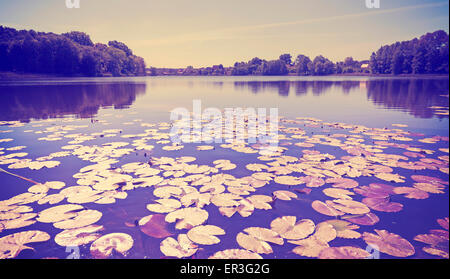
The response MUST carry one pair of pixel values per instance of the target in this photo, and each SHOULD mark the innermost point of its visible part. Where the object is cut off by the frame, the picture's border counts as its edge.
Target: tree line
(74, 54)
(68, 54)
(428, 54)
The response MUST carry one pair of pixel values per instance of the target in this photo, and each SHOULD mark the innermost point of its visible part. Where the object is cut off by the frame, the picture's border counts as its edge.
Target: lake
(361, 162)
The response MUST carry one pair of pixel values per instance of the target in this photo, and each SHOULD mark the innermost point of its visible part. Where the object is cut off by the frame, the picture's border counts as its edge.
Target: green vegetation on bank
(69, 54)
(428, 54)
(74, 54)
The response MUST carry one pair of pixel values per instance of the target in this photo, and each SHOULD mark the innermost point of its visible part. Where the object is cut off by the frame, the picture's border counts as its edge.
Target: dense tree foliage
(69, 54)
(426, 55)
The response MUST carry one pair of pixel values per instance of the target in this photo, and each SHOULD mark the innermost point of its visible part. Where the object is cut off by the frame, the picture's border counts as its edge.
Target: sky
(180, 33)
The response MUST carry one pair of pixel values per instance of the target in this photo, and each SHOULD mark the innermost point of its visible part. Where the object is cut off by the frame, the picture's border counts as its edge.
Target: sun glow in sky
(178, 33)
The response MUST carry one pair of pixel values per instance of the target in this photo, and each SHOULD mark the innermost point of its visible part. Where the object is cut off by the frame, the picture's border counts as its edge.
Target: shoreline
(21, 76)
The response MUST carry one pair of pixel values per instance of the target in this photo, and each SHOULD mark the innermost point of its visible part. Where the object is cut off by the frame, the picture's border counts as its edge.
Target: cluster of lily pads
(185, 192)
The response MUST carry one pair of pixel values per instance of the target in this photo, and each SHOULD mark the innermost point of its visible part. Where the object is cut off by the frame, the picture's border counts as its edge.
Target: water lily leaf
(345, 183)
(265, 235)
(284, 195)
(253, 244)
(205, 235)
(375, 190)
(226, 199)
(411, 193)
(261, 201)
(443, 223)
(78, 236)
(390, 177)
(389, 243)
(187, 217)
(338, 193)
(382, 204)
(313, 182)
(345, 229)
(82, 218)
(343, 252)
(349, 206)
(256, 167)
(235, 254)
(181, 247)
(437, 252)
(289, 228)
(58, 213)
(104, 246)
(197, 199)
(24, 220)
(154, 226)
(245, 209)
(164, 205)
(314, 244)
(167, 192)
(11, 245)
(326, 208)
(288, 180)
(368, 219)
(205, 147)
(429, 187)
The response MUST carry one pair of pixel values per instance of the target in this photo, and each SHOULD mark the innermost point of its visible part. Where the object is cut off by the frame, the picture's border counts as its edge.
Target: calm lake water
(34, 109)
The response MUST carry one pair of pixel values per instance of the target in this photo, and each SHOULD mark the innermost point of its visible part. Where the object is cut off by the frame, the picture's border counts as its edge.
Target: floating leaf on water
(205, 147)
(443, 223)
(368, 219)
(326, 208)
(284, 195)
(314, 244)
(289, 228)
(288, 180)
(235, 254)
(382, 204)
(104, 246)
(154, 226)
(345, 183)
(24, 220)
(58, 213)
(164, 205)
(411, 193)
(429, 187)
(349, 206)
(187, 217)
(79, 236)
(389, 243)
(83, 218)
(313, 182)
(437, 252)
(11, 245)
(265, 235)
(338, 193)
(253, 244)
(261, 201)
(256, 167)
(428, 179)
(167, 192)
(226, 199)
(390, 177)
(343, 252)
(181, 247)
(344, 229)
(205, 235)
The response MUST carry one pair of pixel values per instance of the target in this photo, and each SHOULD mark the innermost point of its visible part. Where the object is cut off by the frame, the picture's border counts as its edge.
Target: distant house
(364, 66)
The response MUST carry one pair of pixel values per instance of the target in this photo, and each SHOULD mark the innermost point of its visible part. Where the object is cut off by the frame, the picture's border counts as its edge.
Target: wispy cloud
(231, 33)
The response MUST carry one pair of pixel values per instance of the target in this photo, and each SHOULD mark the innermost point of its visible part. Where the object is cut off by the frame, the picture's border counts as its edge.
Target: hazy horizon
(177, 34)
